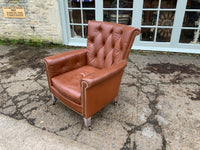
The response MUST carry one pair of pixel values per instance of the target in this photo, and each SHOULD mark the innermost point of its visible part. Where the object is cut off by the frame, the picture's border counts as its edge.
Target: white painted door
(166, 25)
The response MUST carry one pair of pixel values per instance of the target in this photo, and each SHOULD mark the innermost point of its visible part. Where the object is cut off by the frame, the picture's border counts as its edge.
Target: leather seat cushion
(68, 84)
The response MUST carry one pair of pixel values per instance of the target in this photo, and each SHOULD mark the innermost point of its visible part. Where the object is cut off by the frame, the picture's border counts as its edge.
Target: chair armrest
(100, 88)
(102, 75)
(63, 62)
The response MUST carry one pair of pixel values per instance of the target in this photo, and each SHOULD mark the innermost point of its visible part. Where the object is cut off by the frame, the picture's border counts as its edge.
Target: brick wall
(42, 22)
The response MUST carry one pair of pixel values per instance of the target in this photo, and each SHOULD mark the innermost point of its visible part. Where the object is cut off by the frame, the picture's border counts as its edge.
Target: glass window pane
(147, 34)
(125, 3)
(86, 4)
(76, 31)
(168, 3)
(150, 4)
(85, 31)
(110, 3)
(73, 4)
(88, 15)
(75, 16)
(193, 4)
(109, 15)
(125, 17)
(198, 40)
(149, 17)
(191, 19)
(113, 16)
(166, 18)
(187, 36)
(163, 35)
(90, 4)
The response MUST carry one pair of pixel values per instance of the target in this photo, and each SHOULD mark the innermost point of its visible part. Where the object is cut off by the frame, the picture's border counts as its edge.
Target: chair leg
(87, 123)
(54, 99)
(115, 100)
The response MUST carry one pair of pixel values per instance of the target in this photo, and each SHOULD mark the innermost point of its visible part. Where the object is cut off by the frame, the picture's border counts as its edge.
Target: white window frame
(172, 46)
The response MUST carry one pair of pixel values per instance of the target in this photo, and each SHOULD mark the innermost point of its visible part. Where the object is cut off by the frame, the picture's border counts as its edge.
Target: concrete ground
(19, 135)
(158, 109)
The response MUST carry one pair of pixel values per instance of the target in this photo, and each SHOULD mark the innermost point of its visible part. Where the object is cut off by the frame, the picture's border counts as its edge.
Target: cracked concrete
(158, 107)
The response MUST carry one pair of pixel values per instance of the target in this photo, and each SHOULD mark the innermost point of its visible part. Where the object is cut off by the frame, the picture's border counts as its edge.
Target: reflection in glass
(166, 18)
(168, 3)
(163, 35)
(113, 16)
(150, 4)
(109, 3)
(147, 34)
(75, 16)
(187, 36)
(85, 31)
(122, 3)
(125, 3)
(149, 17)
(89, 4)
(109, 15)
(125, 17)
(73, 4)
(191, 19)
(88, 15)
(76, 31)
(193, 4)
(198, 40)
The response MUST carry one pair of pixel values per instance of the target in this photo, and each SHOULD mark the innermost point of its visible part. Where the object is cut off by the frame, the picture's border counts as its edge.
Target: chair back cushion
(108, 43)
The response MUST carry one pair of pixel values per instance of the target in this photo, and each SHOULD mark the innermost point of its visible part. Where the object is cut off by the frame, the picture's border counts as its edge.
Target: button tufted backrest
(108, 43)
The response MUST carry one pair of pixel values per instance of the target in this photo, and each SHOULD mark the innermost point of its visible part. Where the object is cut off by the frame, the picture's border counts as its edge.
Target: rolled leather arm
(64, 62)
(102, 75)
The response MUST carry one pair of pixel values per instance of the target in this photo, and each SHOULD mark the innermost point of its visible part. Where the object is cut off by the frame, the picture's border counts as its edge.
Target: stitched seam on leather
(47, 72)
(68, 106)
(50, 87)
(84, 98)
(134, 34)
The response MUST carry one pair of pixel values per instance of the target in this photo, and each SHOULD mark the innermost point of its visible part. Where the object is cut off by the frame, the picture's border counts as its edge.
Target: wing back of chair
(108, 43)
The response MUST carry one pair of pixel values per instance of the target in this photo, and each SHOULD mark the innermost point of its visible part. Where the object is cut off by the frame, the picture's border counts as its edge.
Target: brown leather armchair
(88, 79)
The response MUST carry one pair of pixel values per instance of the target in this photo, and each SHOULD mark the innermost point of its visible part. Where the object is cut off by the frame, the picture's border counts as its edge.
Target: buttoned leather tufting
(108, 43)
(86, 80)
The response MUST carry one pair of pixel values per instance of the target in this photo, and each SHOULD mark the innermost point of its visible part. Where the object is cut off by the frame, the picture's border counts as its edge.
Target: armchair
(88, 79)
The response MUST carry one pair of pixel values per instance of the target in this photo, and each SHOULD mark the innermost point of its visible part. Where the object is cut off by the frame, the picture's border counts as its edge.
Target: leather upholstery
(103, 74)
(88, 79)
(68, 83)
(108, 43)
(101, 89)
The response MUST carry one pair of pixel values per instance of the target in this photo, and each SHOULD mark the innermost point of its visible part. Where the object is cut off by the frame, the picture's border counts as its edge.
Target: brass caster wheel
(54, 99)
(115, 101)
(87, 123)
(89, 128)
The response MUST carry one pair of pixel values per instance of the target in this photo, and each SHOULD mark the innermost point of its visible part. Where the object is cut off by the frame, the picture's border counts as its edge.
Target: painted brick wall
(42, 22)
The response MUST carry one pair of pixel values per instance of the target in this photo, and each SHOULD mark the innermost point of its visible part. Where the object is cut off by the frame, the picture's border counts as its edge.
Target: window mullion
(197, 35)
(158, 14)
(81, 5)
(117, 15)
(137, 17)
(64, 21)
(99, 10)
(178, 22)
